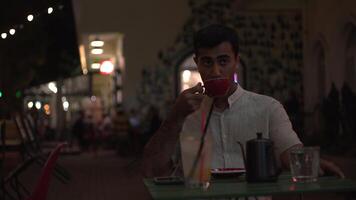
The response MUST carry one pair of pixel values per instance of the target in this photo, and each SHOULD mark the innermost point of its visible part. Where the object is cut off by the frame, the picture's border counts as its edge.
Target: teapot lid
(260, 139)
(259, 135)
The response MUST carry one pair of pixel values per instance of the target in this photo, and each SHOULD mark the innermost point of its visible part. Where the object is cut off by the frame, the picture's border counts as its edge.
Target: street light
(3, 35)
(29, 18)
(97, 51)
(38, 105)
(97, 43)
(12, 31)
(50, 10)
(107, 67)
(30, 104)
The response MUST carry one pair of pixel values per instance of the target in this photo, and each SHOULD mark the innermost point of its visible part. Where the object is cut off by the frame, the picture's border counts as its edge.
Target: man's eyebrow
(223, 56)
(219, 56)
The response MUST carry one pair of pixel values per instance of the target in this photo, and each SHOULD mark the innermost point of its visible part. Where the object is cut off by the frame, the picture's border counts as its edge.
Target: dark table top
(238, 187)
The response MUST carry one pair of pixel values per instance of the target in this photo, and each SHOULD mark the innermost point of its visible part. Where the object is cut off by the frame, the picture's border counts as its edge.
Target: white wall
(148, 26)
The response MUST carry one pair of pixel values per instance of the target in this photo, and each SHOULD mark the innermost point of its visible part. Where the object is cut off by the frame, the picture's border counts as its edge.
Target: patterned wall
(270, 44)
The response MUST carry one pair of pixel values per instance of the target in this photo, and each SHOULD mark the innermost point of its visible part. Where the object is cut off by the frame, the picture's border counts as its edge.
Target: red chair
(41, 189)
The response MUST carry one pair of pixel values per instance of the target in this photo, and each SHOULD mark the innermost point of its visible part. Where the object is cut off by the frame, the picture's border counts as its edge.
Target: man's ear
(238, 58)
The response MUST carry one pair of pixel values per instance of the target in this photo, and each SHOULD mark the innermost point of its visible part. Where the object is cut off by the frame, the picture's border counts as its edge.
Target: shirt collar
(236, 95)
(231, 99)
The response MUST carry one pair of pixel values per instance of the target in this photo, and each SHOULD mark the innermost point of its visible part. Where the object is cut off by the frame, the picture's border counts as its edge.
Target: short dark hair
(214, 35)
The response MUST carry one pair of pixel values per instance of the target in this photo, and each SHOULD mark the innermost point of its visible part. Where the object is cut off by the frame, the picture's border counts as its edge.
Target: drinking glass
(304, 164)
(201, 176)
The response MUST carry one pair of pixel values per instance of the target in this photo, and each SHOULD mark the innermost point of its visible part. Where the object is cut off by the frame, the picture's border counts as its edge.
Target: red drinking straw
(195, 163)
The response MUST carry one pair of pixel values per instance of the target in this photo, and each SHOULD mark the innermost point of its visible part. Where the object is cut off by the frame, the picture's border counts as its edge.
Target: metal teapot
(260, 161)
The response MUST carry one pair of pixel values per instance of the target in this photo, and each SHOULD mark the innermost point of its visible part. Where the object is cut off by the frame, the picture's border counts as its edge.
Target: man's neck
(222, 103)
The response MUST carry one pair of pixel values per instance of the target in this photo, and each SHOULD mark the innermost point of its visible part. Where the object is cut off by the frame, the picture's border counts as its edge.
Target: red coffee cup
(216, 87)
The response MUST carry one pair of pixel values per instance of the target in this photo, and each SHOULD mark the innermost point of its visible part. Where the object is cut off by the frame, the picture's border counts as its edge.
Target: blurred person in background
(135, 131)
(104, 129)
(78, 128)
(153, 122)
(120, 131)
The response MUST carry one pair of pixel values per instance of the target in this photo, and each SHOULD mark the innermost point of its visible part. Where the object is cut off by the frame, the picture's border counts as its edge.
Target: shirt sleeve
(280, 129)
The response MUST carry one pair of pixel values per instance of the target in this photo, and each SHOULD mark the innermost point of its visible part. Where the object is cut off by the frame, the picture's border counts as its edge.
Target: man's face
(217, 62)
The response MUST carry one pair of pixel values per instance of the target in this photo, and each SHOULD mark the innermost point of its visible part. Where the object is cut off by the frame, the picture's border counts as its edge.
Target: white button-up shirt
(247, 114)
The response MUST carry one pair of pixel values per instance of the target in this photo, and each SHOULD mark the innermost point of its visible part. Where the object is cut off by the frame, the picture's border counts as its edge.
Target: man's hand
(189, 101)
(327, 167)
(158, 151)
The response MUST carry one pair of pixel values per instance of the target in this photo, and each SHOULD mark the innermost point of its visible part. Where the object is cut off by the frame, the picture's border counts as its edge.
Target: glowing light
(47, 109)
(186, 76)
(0, 94)
(52, 86)
(95, 65)
(38, 105)
(65, 105)
(97, 43)
(236, 79)
(30, 18)
(83, 60)
(12, 31)
(97, 51)
(107, 67)
(30, 104)
(3, 35)
(93, 98)
(18, 94)
(50, 10)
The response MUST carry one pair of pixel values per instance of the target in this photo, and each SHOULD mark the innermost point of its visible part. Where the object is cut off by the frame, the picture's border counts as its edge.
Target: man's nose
(216, 71)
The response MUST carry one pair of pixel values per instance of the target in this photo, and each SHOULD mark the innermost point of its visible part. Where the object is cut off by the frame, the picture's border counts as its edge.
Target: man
(237, 115)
